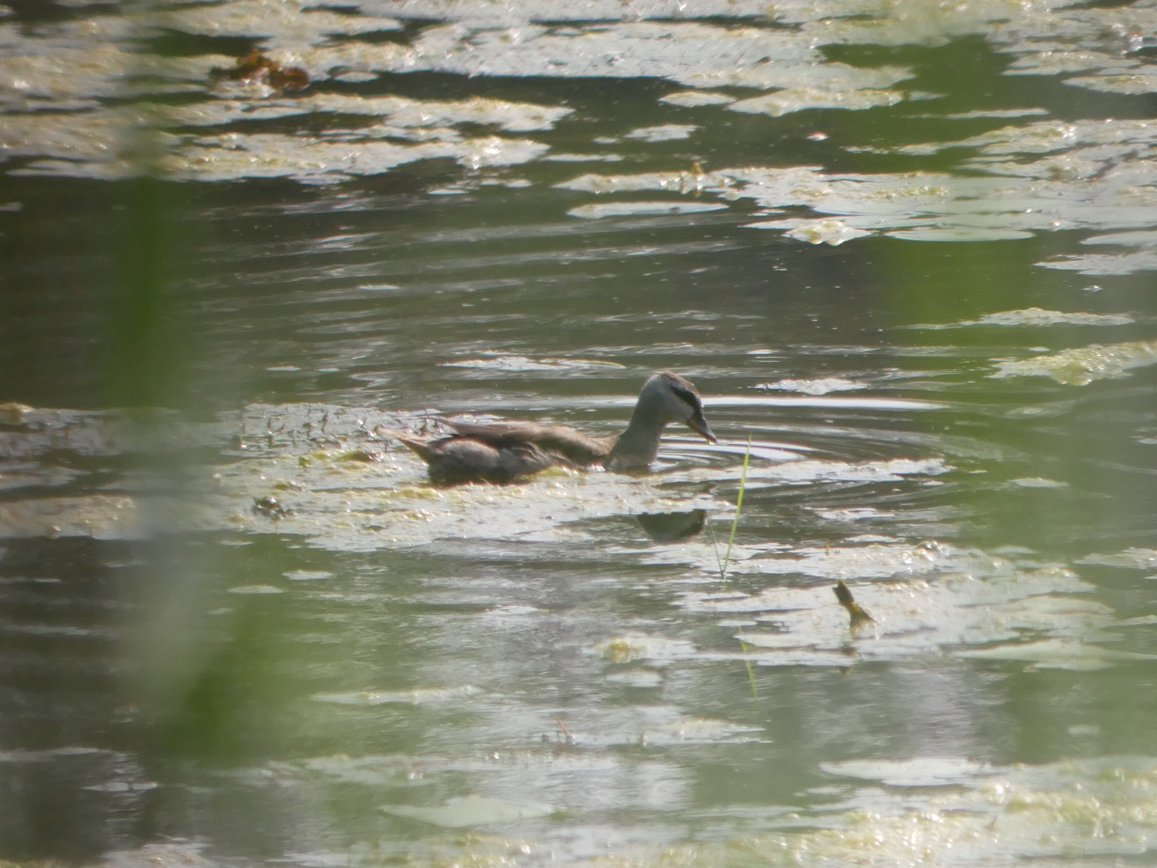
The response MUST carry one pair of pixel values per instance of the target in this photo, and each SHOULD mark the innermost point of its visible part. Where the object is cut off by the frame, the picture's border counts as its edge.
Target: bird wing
(566, 444)
(499, 433)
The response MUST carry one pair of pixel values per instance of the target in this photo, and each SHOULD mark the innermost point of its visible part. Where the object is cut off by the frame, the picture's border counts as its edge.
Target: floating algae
(1084, 365)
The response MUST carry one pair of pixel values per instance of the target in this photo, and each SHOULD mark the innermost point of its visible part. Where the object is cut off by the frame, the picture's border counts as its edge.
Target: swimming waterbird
(506, 451)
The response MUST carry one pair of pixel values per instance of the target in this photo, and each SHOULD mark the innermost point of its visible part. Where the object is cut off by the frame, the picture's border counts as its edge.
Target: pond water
(904, 250)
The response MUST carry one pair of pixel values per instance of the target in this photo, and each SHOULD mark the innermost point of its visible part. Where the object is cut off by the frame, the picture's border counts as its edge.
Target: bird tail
(419, 447)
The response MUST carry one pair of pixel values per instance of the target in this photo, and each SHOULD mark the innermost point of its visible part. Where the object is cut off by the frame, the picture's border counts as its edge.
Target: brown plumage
(505, 451)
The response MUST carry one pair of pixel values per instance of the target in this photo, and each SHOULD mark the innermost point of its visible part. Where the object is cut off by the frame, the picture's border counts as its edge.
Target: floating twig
(857, 616)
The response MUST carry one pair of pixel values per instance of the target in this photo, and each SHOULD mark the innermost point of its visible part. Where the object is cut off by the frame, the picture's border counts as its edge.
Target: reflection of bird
(673, 526)
(505, 451)
(856, 615)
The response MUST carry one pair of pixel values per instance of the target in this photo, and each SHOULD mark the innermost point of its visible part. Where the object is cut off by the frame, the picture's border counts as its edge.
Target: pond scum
(1033, 175)
(310, 106)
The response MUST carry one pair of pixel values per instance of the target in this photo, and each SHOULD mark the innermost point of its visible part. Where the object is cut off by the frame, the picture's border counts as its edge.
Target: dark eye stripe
(687, 396)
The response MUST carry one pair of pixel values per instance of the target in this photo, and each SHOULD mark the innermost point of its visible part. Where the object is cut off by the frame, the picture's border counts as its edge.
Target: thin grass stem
(738, 507)
(726, 561)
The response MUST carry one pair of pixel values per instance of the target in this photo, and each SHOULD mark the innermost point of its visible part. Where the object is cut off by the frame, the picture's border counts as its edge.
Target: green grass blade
(738, 507)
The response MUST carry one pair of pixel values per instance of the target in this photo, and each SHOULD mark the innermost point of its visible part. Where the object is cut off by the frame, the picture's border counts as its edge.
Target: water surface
(904, 252)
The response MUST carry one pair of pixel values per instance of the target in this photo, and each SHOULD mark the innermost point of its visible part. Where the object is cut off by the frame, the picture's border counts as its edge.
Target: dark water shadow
(673, 526)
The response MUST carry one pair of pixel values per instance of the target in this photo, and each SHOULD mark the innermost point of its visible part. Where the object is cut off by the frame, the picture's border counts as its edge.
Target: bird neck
(639, 444)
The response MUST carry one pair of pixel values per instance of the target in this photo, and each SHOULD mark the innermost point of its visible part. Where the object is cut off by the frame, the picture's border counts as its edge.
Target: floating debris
(270, 507)
(857, 616)
(256, 68)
